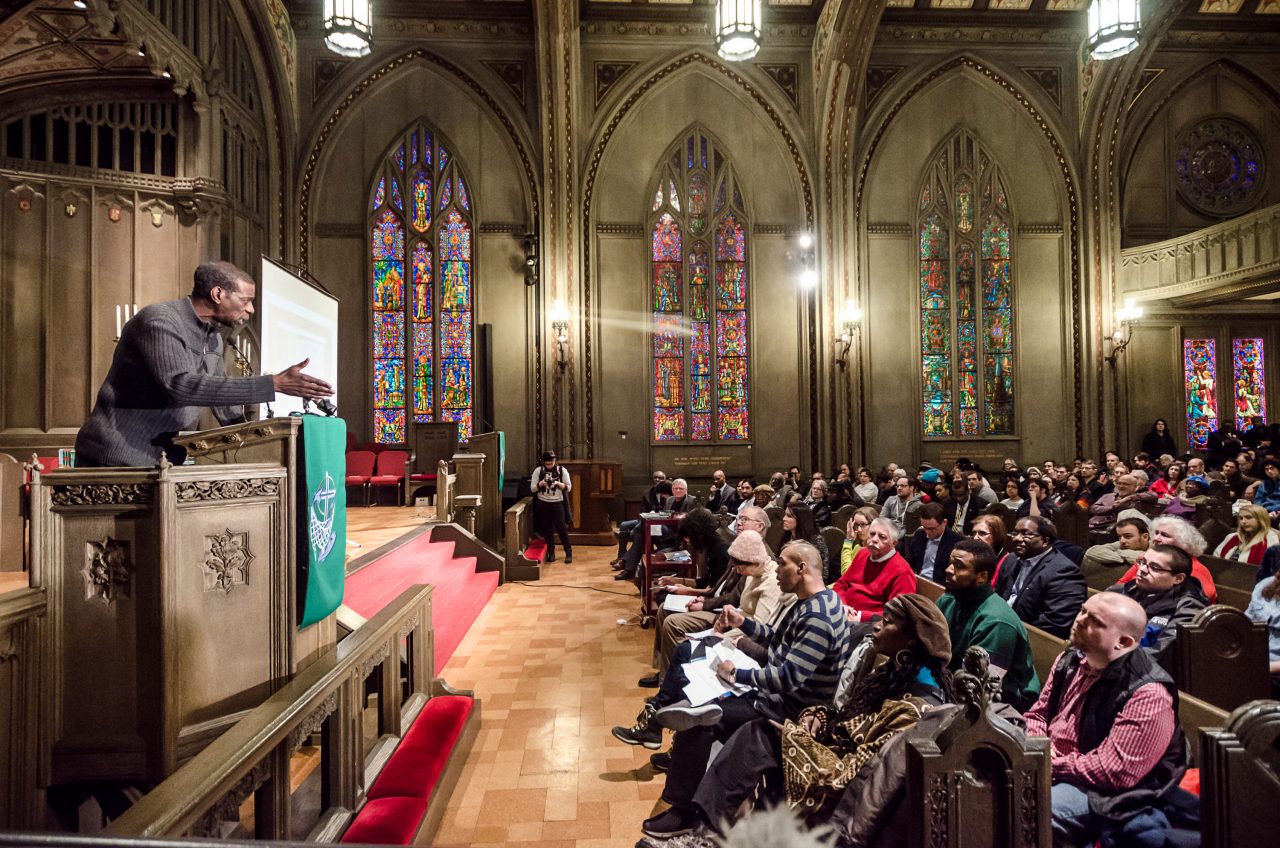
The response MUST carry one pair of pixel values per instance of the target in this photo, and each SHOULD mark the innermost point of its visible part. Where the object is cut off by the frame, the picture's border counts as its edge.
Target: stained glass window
(421, 323)
(1248, 373)
(700, 297)
(1200, 373)
(966, 296)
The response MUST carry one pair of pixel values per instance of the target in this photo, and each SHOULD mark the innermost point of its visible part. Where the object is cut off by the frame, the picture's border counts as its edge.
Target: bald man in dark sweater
(168, 365)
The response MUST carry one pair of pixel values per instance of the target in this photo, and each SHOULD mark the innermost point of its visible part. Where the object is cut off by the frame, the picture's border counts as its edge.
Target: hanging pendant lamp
(737, 29)
(348, 25)
(1114, 27)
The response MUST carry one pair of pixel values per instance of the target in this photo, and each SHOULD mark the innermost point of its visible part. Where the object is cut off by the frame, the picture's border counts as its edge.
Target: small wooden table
(653, 563)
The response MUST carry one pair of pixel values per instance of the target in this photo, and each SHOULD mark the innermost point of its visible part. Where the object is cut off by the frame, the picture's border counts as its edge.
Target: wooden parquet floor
(555, 671)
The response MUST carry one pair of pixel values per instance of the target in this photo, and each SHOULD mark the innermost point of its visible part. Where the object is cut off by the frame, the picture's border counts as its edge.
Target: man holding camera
(551, 484)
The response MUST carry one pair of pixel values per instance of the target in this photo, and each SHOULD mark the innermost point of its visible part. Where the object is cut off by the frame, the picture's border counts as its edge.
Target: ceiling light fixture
(1114, 27)
(737, 29)
(348, 26)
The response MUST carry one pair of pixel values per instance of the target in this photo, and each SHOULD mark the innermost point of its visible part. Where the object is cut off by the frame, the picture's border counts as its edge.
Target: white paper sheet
(677, 603)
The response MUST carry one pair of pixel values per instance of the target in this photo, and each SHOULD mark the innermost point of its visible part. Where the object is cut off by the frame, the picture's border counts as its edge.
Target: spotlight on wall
(348, 27)
(807, 276)
(560, 327)
(1126, 317)
(1114, 27)
(805, 240)
(530, 259)
(850, 324)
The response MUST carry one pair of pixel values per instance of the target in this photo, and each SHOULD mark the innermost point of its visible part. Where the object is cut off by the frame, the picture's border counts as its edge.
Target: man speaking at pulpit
(169, 365)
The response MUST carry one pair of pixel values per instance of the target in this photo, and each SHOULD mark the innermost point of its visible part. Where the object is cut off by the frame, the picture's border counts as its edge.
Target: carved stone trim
(1030, 824)
(877, 77)
(313, 722)
(101, 494)
(337, 230)
(227, 490)
(775, 230)
(502, 228)
(1050, 79)
(615, 228)
(935, 804)
(1039, 229)
(513, 76)
(409, 626)
(157, 209)
(226, 561)
(371, 662)
(108, 570)
(787, 78)
(228, 806)
(888, 228)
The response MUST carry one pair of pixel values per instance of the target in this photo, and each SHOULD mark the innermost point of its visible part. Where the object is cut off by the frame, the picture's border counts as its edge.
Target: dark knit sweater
(168, 366)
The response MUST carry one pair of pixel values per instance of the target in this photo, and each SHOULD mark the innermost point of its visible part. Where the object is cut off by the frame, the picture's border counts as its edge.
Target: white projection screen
(297, 321)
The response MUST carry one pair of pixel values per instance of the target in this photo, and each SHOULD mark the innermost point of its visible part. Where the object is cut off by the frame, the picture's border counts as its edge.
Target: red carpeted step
(459, 596)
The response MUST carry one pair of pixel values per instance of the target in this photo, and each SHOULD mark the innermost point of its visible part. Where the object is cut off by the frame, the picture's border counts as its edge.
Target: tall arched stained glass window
(422, 272)
(966, 295)
(698, 285)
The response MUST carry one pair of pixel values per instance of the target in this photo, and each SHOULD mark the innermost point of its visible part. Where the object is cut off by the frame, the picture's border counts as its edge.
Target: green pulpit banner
(322, 517)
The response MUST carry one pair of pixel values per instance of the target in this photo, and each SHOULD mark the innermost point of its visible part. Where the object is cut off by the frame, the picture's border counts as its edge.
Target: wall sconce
(1126, 317)
(560, 327)
(530, 260)
(850, 324)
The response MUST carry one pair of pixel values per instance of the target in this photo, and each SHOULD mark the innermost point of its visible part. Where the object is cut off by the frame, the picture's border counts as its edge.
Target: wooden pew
(1194, 714)
(840, 519)
(773, 536)
(518, 530)
(834, 539)
(1221, 657)
(1072, 523)
(1240, 778)
(1235, 580)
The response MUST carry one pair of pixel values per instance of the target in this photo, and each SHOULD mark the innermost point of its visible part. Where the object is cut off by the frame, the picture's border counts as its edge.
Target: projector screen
(298, 321)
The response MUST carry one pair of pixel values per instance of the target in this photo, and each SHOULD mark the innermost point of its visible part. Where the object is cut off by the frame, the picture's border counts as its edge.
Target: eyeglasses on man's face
(1026, 534)
(1144, 563)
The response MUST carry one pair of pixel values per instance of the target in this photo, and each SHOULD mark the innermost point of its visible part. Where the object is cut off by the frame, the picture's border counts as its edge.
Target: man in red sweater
(878, 572)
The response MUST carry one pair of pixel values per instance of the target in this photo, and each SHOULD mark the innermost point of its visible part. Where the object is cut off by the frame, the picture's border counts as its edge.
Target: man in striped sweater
(168, 365)
(806, 654)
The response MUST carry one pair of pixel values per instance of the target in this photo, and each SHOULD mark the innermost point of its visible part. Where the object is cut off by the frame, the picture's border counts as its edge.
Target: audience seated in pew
(977, 616)
(990, 529)
(878, 572)
(742, 586)
(1111, 715)
(1043, 587)
(1168, 530)
(1264, 606)
(819, 752)
(930, 546)
(799, 524)
(1251, 538)
(1133, 536)
(805, 658)
(1169, 595)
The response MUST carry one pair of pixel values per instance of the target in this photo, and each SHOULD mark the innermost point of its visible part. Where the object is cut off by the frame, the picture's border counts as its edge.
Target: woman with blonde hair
(1252, 537)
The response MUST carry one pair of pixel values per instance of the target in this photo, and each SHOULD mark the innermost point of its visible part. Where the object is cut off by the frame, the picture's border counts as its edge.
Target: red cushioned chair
(389, 474)
(359, 472)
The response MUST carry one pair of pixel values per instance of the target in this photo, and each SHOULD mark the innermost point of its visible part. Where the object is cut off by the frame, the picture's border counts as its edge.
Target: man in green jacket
(976, 615)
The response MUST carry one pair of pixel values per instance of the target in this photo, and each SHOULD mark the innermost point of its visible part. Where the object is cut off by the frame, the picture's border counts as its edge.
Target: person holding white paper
(805, 657)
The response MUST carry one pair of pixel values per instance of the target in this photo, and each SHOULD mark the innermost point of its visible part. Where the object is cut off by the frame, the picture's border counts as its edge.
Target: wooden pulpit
(596, 484)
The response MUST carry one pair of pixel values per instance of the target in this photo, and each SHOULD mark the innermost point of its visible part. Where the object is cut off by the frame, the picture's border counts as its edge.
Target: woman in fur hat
(823, 752)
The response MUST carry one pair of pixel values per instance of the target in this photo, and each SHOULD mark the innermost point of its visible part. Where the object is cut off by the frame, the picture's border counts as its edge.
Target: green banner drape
(322, 517)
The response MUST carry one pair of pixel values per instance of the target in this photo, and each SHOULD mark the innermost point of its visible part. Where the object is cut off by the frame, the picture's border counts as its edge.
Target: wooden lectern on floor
(596, 484)
(172, 602)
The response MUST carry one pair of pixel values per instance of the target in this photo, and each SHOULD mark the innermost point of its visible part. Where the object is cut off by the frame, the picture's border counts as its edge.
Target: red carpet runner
(458, 597)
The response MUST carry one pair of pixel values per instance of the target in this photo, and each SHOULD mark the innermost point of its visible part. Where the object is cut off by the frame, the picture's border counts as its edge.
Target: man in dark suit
(964, 505)
(1044, 588)
(929, 549)
(721, 495)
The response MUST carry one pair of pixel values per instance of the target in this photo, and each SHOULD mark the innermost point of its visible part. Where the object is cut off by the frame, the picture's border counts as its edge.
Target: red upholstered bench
(399, 800)
(536, 550)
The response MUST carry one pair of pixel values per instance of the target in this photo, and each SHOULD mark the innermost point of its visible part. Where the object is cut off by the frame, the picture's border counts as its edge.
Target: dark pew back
(1240, 778)
(1072, 523)
(1221, 657)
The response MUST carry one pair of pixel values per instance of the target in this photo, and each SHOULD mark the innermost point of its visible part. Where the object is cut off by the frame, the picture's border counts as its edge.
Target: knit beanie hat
(749, 547)
(933, 475)
(928, 622)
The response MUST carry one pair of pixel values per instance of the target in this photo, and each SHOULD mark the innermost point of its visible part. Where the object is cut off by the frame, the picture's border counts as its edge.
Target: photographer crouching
(551, 484)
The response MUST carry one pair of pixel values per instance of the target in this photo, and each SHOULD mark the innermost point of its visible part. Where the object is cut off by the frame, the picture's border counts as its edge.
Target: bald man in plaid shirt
(1111, 715)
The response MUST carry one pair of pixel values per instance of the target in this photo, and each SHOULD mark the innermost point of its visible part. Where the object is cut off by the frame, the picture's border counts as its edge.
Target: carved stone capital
(101, 494)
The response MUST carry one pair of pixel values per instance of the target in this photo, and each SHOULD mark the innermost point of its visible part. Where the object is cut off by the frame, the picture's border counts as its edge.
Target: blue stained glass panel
(465, 419)
(444, 158)
(422, 282)
(388, 383)
(701, 425)
(387, 237)
(731, 285)
(731, 333)
(455, 287)
(666, 240)
(455, 337)
(446, 194)
(455, 383)
(731, 241)
(388, 426)
(1200, 375)
(421, 189)
(464, 200)
(388, 334)
(379, 194)
(396, 201)
(700, 349)
(423, 357)
(388, 284)
(455, 237)
(1248, 369)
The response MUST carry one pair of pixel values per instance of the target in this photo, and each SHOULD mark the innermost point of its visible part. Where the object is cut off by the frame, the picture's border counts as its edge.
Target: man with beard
(1044, 588)
(168, 365)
